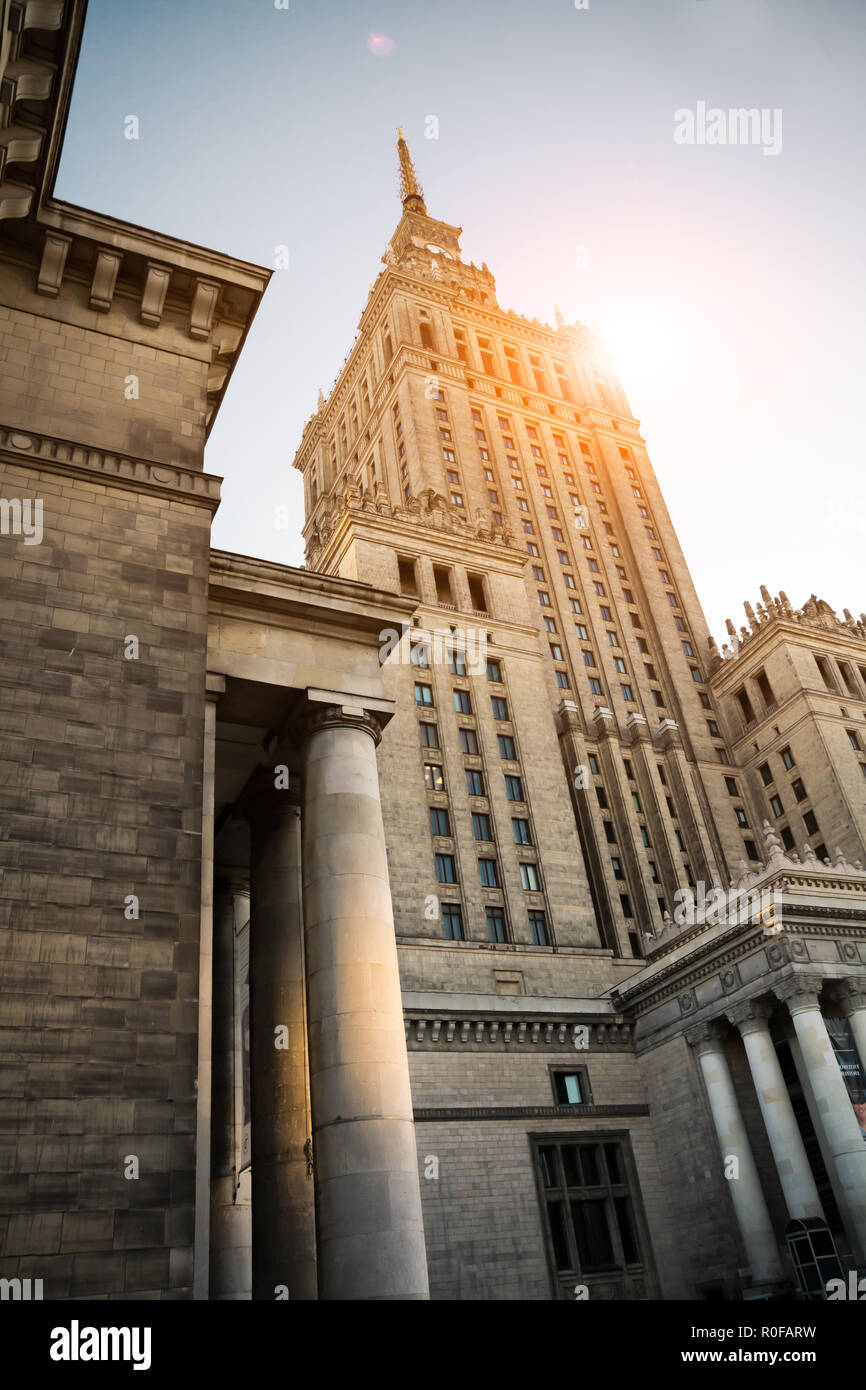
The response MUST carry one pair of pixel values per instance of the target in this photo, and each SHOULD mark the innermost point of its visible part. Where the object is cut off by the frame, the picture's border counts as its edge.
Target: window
(594, 686)
(605, 613)
(496, 924)
(588, 658)
(568, 581)
(529, 877)
(766, 774)
(456, 662)
(612, 639)
(721, 755)
(645, 839)
(543, 598)
(499, 707)
(481, 826)
(598, 588)
(581, 632)
(680, 624)
(538, 573)
(474, 782)
(532, 548)
(468, 741)
(429, 735)
(742, 819)
(731, 784)
(798, 789)
(854, 739)
(688, 649)
(506, 747)
(776, 805)
(440, 823)
(433, 778)
(609, 832)
(457, 499)
(787, 835)
(627, 693)
(462, 702)
(574, 605)
(616, 865)
(601, 796)
(513, 787)
(562, 680)
(452, 921)
(489, 875)
(625, 904)
(538, 927)
(787, 757)
(751, 849)
(556, 651)
(619, 665)
(592, 565)
(423, 694)
(713, 728)
(446, 868)
(520, 827)
(549, 625)
(696, 675)
(654, 873)
(811, 823)
(494, 671)
(420, 654)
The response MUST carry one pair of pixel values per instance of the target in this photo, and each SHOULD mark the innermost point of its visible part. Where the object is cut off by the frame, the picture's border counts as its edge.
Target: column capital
(799, 992)
(317, 717)
(851, 994)
(706, 1037)
(751, 1015)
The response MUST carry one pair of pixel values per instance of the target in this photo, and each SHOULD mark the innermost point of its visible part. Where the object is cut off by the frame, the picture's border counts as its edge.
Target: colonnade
(842, 1140)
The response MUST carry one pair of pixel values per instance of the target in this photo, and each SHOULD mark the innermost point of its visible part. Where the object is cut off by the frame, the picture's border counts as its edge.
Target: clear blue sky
(731, 282)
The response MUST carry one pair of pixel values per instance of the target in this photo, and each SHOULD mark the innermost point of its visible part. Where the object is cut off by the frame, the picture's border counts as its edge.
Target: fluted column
(750, 1207)
(792, 1165)
(368, 1201)
(231, 1239)
(833, 1104)
(284, 1248)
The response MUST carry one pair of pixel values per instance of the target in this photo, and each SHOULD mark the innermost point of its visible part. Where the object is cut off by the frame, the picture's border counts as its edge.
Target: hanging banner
(853, 1074)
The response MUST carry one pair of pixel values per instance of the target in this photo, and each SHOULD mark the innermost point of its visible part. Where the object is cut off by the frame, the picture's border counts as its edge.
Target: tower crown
(411, 192)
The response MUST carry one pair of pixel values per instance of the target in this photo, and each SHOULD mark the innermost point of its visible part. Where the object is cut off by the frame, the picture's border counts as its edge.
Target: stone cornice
(578, 1036)
(51, 454)
(531, 1112)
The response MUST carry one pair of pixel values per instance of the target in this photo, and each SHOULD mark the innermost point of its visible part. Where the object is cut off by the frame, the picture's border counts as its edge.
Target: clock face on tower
(438, 250)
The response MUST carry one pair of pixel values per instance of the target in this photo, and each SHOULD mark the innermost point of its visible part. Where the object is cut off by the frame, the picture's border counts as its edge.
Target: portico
(335, 1197)
(743, 1014)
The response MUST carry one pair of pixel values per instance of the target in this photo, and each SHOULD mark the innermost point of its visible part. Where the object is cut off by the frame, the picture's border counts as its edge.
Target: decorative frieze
(525, 1033)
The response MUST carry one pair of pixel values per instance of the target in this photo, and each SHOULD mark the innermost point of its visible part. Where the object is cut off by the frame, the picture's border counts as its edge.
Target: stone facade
(343, 950)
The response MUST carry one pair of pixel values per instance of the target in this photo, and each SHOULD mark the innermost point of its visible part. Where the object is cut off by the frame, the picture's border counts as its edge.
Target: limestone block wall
(100, 802)
(482, 1221)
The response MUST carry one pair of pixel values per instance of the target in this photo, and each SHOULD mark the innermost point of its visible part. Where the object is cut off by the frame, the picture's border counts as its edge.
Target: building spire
(411, 192)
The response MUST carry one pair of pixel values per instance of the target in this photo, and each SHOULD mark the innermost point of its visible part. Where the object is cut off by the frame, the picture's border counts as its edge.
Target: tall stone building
(448, 917)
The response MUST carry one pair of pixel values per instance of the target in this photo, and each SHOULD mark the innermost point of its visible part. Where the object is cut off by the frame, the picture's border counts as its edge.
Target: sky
(728, 281)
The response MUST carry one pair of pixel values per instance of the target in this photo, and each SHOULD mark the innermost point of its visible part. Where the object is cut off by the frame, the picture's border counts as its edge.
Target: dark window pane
(589, 1163)
(626, 1230)
(561, 1256)
(547, 1162)
(570, 1165)
(591, 1232)
(614, 1168)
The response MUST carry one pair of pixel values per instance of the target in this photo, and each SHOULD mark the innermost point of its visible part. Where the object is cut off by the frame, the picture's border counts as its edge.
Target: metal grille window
(588, 1207)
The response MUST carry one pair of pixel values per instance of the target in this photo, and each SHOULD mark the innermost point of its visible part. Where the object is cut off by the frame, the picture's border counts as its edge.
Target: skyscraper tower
(491, 466)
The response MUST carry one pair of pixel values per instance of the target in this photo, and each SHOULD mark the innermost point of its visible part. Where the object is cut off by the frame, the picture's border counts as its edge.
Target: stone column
(368, 1198)
(284, 1245)
(750, 1207)
(231, 1238)
(214, 687)
(792, 1165)
(838, 1121)
(851, 994)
